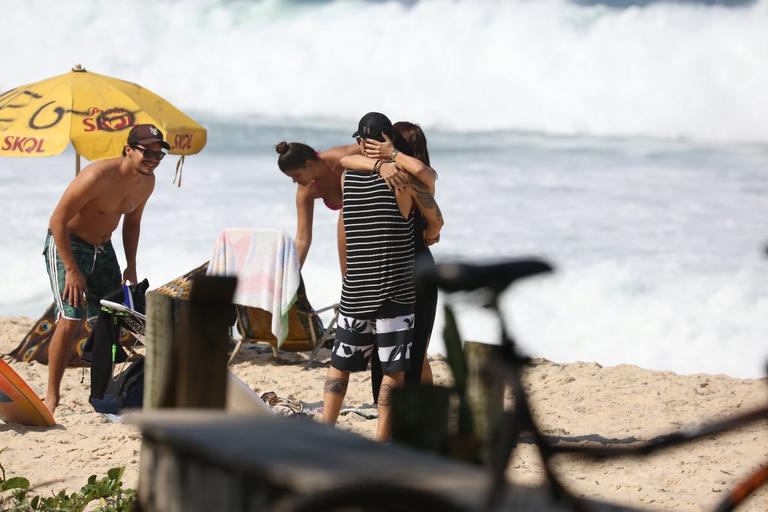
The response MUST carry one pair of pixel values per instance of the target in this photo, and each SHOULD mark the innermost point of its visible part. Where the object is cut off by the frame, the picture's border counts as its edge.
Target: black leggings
(426, 306)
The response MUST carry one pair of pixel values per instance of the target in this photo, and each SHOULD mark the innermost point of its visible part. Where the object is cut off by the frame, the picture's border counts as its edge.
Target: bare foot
(51, 403)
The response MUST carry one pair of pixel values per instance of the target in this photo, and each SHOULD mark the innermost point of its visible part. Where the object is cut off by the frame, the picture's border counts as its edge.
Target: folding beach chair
(271, 302)
(306, 332)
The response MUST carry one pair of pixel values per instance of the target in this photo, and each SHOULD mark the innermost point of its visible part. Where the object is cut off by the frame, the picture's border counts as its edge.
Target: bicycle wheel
(375, 497)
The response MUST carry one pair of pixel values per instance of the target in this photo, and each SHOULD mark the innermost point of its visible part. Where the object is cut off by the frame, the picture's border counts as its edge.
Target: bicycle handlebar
(455, 277)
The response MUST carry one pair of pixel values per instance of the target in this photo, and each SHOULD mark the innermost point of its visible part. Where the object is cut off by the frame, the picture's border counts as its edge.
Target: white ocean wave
(663, 70)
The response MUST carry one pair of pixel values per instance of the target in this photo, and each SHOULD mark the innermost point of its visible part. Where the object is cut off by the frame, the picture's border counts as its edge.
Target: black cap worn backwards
(372, 125)
(146, 134)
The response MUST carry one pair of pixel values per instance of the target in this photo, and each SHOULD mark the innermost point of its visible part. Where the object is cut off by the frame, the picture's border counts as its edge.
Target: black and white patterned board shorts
(357, 338)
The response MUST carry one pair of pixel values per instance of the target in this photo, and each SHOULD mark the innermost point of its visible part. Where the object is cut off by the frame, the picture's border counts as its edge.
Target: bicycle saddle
(455, 277)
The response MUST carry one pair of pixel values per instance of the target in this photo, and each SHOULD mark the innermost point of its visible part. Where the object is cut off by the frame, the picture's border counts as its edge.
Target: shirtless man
(79, 257)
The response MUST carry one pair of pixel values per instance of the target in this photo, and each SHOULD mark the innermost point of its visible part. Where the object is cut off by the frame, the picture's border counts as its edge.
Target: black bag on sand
(103, 349)
(124, 392)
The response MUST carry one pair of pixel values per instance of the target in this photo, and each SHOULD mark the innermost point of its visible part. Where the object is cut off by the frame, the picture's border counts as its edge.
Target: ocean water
(626, 143)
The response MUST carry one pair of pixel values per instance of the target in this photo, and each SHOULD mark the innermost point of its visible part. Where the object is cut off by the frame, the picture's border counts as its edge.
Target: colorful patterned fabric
(357, 338)
(34, 346)
(267, 269)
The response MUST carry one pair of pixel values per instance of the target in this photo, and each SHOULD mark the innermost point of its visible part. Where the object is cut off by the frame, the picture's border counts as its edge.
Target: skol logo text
(23, 144)
(109, 120)
(182, 141)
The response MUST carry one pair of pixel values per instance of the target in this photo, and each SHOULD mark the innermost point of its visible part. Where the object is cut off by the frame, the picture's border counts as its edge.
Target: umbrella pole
(77, 163)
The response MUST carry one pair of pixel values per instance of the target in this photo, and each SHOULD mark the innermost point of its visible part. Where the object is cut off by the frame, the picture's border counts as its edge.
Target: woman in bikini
(318, 176)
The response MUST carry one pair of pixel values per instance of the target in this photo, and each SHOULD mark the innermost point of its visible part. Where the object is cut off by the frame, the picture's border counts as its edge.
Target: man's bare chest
(118, 202)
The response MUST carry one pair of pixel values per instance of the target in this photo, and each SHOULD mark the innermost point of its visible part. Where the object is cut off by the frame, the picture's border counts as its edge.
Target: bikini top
(330, 205)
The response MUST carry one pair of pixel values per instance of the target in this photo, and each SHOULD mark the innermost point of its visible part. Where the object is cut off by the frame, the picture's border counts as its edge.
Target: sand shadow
(261, 354)
(590, 439)
(26, 429)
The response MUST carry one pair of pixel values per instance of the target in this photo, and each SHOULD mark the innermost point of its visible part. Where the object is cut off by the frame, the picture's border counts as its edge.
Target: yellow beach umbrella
(94, 112)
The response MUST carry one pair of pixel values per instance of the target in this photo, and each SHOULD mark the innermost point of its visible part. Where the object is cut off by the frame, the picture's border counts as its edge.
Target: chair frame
(318, 341)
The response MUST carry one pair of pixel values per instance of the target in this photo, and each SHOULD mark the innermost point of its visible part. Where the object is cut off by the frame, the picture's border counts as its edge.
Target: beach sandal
(315, 409)
(282, 406)
(360, 412)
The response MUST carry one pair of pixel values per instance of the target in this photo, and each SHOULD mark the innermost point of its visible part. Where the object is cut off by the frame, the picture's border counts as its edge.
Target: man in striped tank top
(378, 293)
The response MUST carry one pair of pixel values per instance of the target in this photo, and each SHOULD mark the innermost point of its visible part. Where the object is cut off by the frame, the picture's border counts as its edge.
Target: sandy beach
(573, 401)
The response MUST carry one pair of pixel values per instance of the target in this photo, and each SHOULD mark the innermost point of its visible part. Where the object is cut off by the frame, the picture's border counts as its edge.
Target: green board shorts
(97, 263)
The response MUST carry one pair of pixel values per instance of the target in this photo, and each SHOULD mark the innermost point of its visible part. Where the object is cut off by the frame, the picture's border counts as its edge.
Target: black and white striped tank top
(380, 247)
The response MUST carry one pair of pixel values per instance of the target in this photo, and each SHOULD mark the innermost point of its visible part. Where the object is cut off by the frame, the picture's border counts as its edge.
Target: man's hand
(379, 150)
(74, 288)
(129, 276)
(393, 177)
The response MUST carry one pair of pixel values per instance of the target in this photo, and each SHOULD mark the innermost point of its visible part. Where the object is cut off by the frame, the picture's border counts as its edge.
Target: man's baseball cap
(372, 125)
(146, 134)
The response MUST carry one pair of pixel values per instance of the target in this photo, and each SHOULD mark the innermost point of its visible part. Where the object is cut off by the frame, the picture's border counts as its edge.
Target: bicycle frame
(457, 277)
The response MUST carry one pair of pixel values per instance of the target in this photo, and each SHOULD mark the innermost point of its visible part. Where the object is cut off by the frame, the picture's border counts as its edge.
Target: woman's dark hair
(294, 155)
(411, 140)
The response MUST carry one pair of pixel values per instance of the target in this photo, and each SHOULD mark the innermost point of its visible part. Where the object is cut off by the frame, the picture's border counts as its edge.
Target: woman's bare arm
(413, 166)
(416, 193)
(428, 207)
(305, 207)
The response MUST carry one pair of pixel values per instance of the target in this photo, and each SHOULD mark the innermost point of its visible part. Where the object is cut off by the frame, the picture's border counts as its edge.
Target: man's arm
(341, 234)
(82, 190)
(131, 231)
(341, 242)
(394, 178)
(357, 163)
(339, 152)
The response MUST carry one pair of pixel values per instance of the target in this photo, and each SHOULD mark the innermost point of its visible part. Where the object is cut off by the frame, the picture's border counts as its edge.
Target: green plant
(16, 496)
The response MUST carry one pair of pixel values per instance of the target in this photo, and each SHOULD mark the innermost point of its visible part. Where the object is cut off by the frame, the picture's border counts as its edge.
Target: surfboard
(18, 403)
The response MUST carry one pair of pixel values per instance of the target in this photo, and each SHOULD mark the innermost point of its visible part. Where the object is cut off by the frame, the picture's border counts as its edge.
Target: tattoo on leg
(336, 386)
(385, 395)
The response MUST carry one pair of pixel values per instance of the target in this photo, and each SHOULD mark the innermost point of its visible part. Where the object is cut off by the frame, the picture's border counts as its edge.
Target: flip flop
(282, 406)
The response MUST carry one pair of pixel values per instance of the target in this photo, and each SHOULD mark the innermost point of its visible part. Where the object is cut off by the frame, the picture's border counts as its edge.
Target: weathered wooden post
(485, 393)
(187, 341)
(158, 379)
(202, 338)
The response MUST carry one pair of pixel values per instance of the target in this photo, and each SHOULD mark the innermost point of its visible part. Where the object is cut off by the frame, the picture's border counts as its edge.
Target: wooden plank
(158, 378)
(201, 339)
(259, 461)
(485, 393)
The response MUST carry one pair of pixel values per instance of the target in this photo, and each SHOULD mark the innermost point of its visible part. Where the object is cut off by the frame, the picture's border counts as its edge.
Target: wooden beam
(485, 394)
(202, 335)
(187, 345)
(158, 365)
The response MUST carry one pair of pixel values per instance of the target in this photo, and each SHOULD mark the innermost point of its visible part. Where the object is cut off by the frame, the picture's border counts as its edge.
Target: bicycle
(494, 279)
(490, 281)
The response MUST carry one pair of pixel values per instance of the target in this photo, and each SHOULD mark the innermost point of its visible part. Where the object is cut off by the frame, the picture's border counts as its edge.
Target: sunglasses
(148, 153)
